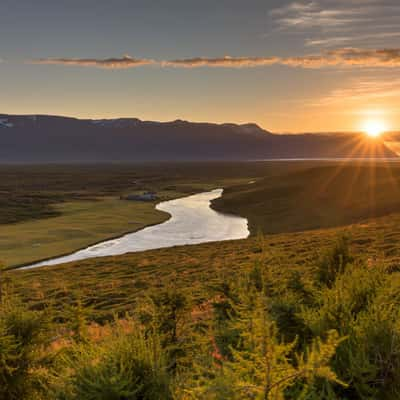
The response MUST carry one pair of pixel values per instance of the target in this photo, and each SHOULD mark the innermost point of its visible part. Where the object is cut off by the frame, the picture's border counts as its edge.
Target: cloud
(347, 57)
(340, 40)
(343, 57)
(319, 14)
(332, 22)
(107, 63)
(227, 62)
(372, 90)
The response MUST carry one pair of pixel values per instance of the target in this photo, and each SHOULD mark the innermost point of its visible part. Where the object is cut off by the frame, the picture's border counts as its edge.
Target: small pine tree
(261, 366)
(334, 261)
(77, 315)
(170, 319)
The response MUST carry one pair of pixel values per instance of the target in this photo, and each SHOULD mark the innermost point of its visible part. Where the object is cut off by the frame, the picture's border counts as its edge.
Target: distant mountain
(41, 138)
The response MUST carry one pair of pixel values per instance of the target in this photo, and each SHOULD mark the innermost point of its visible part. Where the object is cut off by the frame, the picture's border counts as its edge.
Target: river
(192, 221)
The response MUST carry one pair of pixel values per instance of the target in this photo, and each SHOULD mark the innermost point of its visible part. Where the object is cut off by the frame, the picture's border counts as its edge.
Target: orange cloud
(227, 61)
(344, 57)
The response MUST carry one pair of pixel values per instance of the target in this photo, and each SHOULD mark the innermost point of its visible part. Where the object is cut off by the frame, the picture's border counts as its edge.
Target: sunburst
(374, 127)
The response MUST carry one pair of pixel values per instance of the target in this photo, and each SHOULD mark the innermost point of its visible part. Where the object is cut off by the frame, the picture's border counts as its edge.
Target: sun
(374, 128)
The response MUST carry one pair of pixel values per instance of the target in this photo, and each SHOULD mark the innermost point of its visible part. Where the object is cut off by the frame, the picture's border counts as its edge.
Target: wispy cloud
(107, 63)
(364, 90)
(340, 40)
(323, 13)
(335, 22)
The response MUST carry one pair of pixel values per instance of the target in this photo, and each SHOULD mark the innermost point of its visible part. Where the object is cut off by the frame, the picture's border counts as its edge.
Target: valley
(286, 277)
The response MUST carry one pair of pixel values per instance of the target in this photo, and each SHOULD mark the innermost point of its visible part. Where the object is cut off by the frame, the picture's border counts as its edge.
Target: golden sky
(290, 66)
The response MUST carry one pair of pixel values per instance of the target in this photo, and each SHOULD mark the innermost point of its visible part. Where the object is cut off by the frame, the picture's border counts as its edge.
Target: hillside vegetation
(316, 197)
(257, 319)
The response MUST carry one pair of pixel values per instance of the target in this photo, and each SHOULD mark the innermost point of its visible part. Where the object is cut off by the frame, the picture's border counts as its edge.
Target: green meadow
(78, 224)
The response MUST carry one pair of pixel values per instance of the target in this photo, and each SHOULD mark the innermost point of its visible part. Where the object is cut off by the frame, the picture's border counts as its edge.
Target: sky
(289, 66)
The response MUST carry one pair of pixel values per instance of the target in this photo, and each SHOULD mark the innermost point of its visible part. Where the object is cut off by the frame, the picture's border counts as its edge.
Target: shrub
(170, 315)
(334, 261)
(362, 304)
(126, 366)
(264, 367)
(23, 336)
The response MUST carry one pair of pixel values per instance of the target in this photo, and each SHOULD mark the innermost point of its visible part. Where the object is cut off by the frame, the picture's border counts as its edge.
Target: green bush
(127, 366)
(362, 304)
(23, 337)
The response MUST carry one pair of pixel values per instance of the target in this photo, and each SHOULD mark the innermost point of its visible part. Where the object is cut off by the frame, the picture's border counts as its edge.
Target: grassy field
(34, 192)
(79, 224)
(50, 211)
(316, 196)
(31, 192)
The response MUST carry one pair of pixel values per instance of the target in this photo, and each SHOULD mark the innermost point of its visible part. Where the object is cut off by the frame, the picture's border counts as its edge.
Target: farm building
(146, 196)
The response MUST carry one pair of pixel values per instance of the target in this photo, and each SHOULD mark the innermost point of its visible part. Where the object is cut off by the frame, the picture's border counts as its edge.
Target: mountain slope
(314, 196)
(41, 138)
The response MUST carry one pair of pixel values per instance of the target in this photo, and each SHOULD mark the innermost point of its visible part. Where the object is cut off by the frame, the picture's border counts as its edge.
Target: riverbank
(191, 221)
(80, 224)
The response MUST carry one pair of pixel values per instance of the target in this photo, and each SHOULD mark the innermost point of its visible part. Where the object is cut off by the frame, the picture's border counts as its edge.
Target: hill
(43, 139)
(315, 196)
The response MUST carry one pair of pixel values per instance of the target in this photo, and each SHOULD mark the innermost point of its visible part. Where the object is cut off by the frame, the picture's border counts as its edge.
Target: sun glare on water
(374, 128)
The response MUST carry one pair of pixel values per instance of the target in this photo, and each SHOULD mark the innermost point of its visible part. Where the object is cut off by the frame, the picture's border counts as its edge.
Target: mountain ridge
(50, 138)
